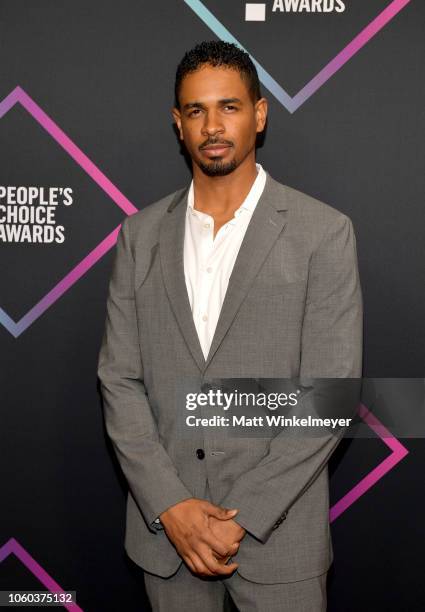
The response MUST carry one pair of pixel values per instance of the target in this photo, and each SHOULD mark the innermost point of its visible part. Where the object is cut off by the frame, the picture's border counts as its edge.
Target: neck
(221, 195)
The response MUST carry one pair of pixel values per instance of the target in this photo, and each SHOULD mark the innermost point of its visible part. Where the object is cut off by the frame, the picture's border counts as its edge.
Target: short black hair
(218, 53)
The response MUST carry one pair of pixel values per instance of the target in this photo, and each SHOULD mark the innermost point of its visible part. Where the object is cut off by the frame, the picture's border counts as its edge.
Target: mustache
(214, 142)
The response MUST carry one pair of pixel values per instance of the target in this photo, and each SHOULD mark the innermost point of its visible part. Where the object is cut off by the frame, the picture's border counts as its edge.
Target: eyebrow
(221, 101)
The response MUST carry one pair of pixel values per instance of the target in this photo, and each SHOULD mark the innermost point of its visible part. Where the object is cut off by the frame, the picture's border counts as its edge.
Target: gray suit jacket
(293, 307)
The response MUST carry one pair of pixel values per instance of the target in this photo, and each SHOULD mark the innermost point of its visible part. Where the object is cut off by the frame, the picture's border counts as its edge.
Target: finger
(199, 565)
(223, 560)
(231, 552)
(189, 563)
(212, 564)
(224, 569)
(223, 514)
(217, 545)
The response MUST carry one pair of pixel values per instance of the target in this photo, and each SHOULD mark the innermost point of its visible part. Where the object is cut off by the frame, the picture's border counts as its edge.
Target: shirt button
(205, 318)
(209, 269)
(206, 225)
(200, 453)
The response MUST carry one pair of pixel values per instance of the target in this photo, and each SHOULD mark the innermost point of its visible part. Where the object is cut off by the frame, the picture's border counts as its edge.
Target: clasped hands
(204, 535)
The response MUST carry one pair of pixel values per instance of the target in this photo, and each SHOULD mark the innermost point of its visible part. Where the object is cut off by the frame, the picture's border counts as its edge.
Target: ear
(261, 107)
(177, 118)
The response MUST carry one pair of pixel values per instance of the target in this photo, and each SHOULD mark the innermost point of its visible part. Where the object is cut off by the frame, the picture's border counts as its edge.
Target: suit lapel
(265, 226)
(171, 242)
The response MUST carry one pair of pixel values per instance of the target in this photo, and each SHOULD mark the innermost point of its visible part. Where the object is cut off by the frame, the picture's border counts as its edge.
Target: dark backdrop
(104, 73)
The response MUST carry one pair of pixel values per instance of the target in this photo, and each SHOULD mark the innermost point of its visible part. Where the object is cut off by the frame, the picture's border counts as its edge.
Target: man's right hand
(186, 525)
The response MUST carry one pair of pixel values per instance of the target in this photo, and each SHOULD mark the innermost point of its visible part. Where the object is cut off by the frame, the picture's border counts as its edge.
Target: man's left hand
(227, 531)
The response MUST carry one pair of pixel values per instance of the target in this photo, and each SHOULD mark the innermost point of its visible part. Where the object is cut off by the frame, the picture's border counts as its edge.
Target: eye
(230, 106)
(194, 111)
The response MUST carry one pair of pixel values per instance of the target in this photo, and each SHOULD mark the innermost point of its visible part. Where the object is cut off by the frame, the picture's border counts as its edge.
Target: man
(235, 276)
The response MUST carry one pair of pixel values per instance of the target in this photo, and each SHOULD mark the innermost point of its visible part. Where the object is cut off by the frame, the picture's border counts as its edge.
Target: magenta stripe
(75, 152)
(68, 280)
(13, 546)
(398, 453)
(351, 49)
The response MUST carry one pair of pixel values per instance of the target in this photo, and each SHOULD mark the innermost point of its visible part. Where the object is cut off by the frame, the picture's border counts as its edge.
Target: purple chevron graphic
(292, 103)
(13, 546)
(18, 95)
(398, 452)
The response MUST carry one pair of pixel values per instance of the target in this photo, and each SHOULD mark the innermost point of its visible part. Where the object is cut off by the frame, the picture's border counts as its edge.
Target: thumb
(223, 514)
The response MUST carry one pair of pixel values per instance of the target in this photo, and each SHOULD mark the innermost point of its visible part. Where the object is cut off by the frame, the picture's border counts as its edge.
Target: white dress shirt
(208, 262)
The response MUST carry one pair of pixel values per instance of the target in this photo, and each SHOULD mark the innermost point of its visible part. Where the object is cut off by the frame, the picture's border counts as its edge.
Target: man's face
(217, 120)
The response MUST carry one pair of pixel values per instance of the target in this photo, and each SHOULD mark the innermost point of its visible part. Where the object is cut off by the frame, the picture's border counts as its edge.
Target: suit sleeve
(331, 347)
(151, 476)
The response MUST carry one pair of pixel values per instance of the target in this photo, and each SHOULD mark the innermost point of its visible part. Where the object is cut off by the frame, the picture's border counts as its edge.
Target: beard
(218, 167)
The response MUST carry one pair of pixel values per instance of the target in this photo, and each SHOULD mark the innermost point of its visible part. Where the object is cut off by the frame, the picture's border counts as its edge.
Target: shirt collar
(251, 199)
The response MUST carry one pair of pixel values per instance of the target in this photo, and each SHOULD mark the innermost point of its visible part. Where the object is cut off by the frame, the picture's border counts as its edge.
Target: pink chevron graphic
(18, 95)
(292, 103)
(12, 546)
(398, 452)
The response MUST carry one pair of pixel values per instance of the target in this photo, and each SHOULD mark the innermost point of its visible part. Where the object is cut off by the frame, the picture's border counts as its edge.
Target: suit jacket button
(200, 453)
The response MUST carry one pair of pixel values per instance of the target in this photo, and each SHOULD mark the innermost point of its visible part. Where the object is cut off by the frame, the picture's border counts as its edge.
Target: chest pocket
(283, 273)
(276, 292)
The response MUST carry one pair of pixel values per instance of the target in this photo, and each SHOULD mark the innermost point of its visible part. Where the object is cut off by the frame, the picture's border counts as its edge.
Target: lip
(215, 150)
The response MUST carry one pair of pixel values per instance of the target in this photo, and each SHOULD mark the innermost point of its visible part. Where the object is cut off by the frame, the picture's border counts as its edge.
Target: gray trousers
(186, 591)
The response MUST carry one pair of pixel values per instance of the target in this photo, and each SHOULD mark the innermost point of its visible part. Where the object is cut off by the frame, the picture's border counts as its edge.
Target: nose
(212, 124)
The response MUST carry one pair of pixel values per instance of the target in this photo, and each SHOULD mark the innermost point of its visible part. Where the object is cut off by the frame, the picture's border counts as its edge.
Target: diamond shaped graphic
(293, 103)
(13, 546)
(18, 95)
